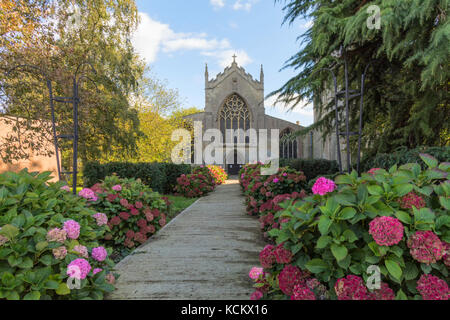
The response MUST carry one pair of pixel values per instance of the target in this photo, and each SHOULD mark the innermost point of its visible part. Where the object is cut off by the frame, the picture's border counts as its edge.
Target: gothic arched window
(288, 145)
(234, 114)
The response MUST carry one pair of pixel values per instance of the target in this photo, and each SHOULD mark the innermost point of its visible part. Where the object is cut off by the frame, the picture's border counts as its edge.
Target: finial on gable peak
(261, 76)
(234, 59)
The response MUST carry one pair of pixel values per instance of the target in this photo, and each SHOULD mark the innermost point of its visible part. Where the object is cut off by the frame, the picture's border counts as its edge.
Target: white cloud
(152, 37)
(303, 108)
(244, 4)
(217, 4)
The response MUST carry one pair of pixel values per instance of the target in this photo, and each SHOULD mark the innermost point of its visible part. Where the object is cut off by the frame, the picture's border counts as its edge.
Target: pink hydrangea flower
(60, 253)
(97, 270)
(255, 272)
(56, 235)
(257, 295)
(384, 293)
(72, 228)
(412, 200)
(82, 251)
(99, 254)
(288, 278)
(432, 288)
(350, 288)
(446, 256)
(276, 180)
(101, 219)
(323, 186)
(282, 255)
(302, 292)
(426, 247)
(65, 188)
(78, 269)
(386, 231)
(117, 187)
(88, 194)
(267, 257)
(373, 171)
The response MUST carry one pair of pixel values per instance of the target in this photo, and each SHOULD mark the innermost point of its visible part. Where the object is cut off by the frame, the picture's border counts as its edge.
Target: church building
(235, 100)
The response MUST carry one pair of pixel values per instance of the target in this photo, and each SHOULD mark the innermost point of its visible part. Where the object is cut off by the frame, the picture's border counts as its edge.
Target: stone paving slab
(205, 253)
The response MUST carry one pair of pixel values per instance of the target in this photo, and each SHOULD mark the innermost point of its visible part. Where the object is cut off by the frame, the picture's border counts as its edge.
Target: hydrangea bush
(198, 184)
(131, 210)
(396, 220)
(48, 235)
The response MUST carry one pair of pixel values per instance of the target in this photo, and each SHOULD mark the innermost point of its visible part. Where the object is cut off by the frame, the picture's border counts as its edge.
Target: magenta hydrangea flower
(117, 187)
(88, 194)
(72, 228)
(432, 288)
(373, 171)
(257, 295)
(426, 247)
(323, 186)
(99, 254)
(446, 256)
(255, 272)
(412, 200)
(386, 231)
(288, 278)
(78, 269)
(57, 235)
(60, 253)
(282, 255)
(101, 219)
(267, 257)
(384, 293)
(82, 251)
(97, 270)
(276, 180)
(350, 288)
(302, 292)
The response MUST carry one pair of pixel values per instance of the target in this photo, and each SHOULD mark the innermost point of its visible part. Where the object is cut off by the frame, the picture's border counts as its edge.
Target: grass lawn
(179, 203)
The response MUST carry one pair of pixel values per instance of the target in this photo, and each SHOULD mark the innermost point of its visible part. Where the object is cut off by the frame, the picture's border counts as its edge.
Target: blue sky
(177, 38)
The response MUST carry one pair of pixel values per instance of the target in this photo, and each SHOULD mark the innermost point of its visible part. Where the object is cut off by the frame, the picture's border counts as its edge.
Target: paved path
(204, 253)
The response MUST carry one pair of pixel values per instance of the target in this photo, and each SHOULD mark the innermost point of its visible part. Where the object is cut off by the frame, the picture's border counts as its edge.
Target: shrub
(334, 238)
(134, 211)
(45, 232)
(404, 155)
(194, 185)
(218, 173)
(161, 177)
(311, 168)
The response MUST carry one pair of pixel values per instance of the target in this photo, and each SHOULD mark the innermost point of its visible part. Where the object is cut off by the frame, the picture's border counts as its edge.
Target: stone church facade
(235, 100)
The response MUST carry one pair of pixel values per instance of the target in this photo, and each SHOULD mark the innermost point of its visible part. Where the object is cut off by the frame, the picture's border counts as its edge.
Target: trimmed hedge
(311, 168)
(403, 156)
(161, 177)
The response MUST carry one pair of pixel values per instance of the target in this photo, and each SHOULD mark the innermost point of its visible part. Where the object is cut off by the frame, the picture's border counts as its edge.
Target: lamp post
(75, 101)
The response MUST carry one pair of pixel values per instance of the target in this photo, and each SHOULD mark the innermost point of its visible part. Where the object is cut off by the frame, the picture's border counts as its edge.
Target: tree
(70, 33)
(406, 101)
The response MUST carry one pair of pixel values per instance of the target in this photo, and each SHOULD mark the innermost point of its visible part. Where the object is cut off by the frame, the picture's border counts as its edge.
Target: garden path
(204, 253)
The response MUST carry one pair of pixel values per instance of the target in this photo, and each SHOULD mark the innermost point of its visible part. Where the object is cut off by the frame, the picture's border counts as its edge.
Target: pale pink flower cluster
(255, 273)
(82, 251)
(65, 188)
(99, 254)
(78, 269)
(386, 231)
(60, 253)
(117, 187)
(432, 288)
(72, 228)
(57, 235)
(88, 194)
(426, 247)
(110, 278)
(101, 219)
(323, 186)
